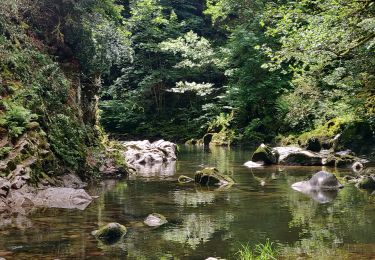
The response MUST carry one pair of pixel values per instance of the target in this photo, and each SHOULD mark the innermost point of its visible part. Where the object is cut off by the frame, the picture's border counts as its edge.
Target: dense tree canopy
(261, 70)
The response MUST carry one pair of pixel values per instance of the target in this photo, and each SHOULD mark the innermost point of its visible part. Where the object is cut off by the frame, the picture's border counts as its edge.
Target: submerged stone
(212, 177)
(110, 233)
(155, 220)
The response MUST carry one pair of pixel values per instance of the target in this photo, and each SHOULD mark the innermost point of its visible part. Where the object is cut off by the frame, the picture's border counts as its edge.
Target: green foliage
(68, 139)
(265, 251)
(4, 151)
(161, 91)
(221, 122)
(91, 28)
(328, 47)
(15, 119)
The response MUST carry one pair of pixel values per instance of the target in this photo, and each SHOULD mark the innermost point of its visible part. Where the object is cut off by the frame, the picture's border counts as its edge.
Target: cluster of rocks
(210, 177)
(147, 158)
(297, 156)
(364, 180)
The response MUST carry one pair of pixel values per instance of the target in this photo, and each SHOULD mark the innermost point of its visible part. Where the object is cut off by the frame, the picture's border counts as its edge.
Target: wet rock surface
(155, 220)
(148, 158)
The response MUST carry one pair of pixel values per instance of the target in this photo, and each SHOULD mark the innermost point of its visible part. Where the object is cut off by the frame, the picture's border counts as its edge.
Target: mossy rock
(212, 177)
(367, 183)
(265, 154)
(110, 233)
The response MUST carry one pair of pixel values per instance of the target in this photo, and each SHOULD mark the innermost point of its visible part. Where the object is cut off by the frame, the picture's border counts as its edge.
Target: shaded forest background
(252, 71)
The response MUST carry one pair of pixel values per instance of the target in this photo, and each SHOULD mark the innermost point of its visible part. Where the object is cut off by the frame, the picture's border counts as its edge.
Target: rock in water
(322, 187)
(265, 154)
(155, 220)
(110, 233)
(67, 198)
(319, 181)
(212, 177)
(302, 157)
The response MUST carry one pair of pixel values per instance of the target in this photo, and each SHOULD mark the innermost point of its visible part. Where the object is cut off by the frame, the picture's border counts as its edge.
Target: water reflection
(156, 170)
(321, 196)
(193, 198)
(198, 229)
(202, 222)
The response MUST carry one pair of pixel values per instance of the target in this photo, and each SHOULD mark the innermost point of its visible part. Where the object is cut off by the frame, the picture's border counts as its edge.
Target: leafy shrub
(67, 140)
(15, 119)
(4, 151)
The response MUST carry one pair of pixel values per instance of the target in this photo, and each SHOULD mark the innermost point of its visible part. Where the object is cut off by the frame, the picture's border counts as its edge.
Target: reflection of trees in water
(325, 227)
(193, 198)
(198, 228)
(214, 156)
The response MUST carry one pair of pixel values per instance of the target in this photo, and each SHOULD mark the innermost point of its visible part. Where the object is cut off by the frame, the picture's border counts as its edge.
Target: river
(202, 222)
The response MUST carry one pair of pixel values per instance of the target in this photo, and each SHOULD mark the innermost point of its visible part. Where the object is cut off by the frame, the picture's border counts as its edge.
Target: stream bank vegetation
(266, 251)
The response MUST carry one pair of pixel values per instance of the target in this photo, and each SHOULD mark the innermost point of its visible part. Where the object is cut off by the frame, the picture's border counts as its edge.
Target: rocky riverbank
(293, 156)
(17, 190)
(147, 158)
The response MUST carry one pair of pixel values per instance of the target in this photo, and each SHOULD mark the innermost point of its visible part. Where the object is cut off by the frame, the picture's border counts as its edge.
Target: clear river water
(202, 222)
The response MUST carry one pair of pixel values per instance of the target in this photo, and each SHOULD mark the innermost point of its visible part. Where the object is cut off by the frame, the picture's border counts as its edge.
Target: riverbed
(203, 222)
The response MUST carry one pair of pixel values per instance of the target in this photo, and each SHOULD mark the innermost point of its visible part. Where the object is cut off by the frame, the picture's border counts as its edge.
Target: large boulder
(212, 177)
(297, 156)
(265, 154)
(155, 220)
(110, 233)
(67, 198)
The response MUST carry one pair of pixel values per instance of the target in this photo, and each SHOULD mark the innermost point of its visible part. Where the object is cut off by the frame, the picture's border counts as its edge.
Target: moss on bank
(44, 130)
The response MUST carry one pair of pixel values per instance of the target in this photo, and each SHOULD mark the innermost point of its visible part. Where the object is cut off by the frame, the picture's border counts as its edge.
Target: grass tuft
(266, 251)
